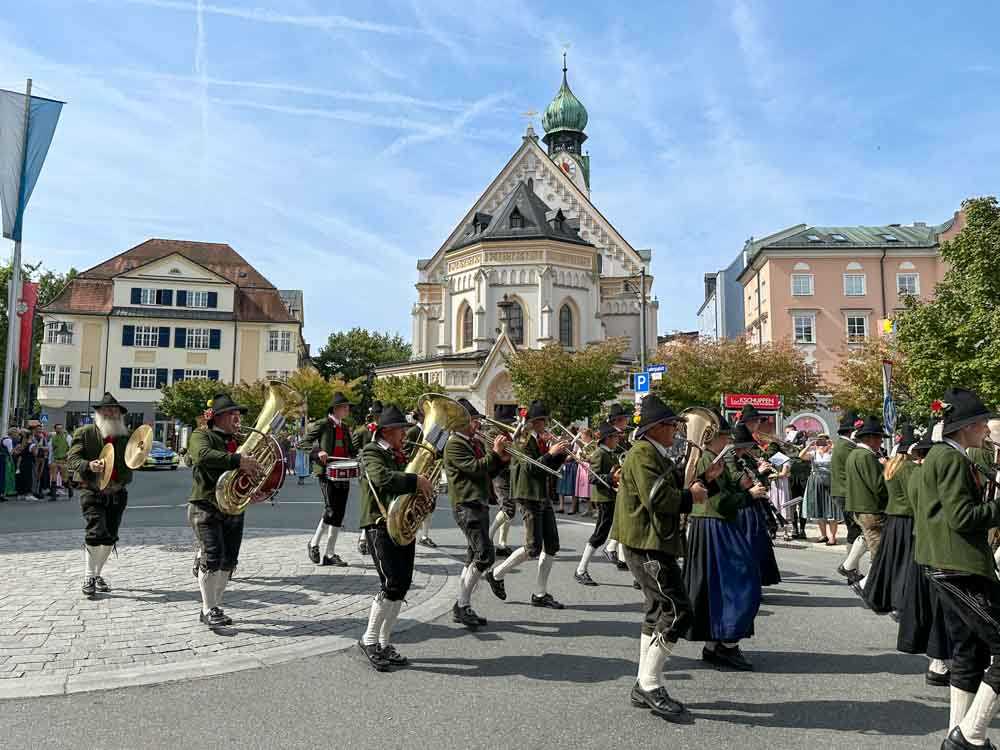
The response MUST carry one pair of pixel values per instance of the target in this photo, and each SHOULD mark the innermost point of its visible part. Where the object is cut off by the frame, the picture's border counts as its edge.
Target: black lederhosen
(474, 521)
(540, 531)
(501, 488)
(334, 500)
(219, 535)
(971, 606)
(102, 514)
(602, 529)
(668, 609)
(393, 563)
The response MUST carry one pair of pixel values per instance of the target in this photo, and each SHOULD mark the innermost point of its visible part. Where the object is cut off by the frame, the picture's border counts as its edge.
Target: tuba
(442, 416)
(236, 488)
(701, 427)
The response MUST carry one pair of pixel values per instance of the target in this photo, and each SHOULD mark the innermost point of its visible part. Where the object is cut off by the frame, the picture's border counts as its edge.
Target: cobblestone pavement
(54, 640)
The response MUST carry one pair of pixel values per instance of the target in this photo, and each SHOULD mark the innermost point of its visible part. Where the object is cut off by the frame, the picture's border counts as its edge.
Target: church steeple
(564, 120)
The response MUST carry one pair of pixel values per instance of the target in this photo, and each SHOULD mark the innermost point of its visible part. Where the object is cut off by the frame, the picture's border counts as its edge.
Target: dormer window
(516, 220)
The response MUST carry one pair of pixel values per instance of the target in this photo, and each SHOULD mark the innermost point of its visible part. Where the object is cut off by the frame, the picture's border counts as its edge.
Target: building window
(857, 328)
(197, 338)
(147, 336)
(196, 374)
(48, 375)
(278, 374)
(279, 341)
(53, 335)
(854, 285)
(515, 323)
(805, 328)
(516, 220)
(197, 299)
(907, 284)
(144, 377)
(65, 373)
(147, 297)
(802, 284)
(467, 327)
(566, 326)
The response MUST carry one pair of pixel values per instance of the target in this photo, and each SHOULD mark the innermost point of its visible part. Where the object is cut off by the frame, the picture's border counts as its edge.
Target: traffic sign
(44, 418)
(640, 382)
(656, 372)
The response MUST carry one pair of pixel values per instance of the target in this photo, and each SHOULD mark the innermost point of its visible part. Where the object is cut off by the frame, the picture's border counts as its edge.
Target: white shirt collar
(384, 445)
(662, 450)
(602, 446)
(955, 445)
(867, 448)
(464, 437)
(334, 420)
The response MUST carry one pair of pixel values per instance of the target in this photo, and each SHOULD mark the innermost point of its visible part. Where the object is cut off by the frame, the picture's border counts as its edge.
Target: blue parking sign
(640, 382)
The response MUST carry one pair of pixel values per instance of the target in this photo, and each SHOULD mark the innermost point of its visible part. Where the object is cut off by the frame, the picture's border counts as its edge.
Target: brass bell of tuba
(442, 416)
(700, 428)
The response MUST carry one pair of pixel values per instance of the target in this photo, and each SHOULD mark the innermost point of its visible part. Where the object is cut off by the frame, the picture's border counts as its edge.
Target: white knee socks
(544, 568)
(960, 702)
(516, 558)
(389, 622)
(470, 578)
(854, 556)
(318, 536)
(221, 579)
(620, 549)
(331, 540)
(425, 528)
(376, 617)
(97, 555)
(938, 666)
(611, 546)
(588, 552)
(644, 641)
(498, 529)
(980, 714)
(651, 669)
(212, 584)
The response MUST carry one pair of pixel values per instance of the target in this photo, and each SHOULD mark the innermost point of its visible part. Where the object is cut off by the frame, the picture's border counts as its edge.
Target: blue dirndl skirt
(754, 527)
(566, 487)
(302, 463)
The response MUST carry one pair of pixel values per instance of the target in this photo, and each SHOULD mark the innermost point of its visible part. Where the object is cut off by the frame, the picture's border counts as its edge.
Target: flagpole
(13, 292)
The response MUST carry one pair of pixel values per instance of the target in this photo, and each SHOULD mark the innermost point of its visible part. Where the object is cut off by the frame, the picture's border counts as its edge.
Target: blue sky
(333, 144)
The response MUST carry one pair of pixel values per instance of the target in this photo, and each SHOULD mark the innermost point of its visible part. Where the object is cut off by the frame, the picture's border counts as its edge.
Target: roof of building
(293, 300)
(256, 298)
(892, 235)
(536, 221)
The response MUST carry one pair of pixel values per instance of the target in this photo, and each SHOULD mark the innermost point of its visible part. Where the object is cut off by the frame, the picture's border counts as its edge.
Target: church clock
(567, 163)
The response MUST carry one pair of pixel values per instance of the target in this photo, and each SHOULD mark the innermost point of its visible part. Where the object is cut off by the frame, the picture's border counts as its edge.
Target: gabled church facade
(532, 263)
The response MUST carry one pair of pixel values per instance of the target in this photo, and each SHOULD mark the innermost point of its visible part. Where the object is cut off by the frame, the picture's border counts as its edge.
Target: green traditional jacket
(899, 501)
(381, 469)
(842, 447)
(982, 458)
(532, 483)
(866, 490)
(209, 460)
(728, 497)
(361, 437)
(602, 463)
(60, 446)
(321, 436)
(650, 502)
(950, 517)
(469, 478)
(87, 446)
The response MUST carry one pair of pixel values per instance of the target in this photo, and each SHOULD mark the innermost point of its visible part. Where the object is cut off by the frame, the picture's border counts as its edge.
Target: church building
(532, 263)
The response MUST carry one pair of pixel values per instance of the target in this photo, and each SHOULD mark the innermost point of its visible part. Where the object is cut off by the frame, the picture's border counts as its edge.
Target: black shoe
(89, 586)
(464, 616)
(856, 588)
(391, 655)
(101, 585)
(937, 680)
(727, 657)
(374, 654)
(584, 578)
(545, 600)
(956, 741)
(215, 618)
(499, 591)
(363, 546)
(894, 615)
(660, 703)
(334, 560)
(427, 542)
(636, 586)
(621, 565)
(504, 551)
(313, 553)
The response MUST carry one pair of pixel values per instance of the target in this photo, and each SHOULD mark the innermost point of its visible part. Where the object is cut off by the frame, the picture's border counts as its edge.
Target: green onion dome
(565, 112)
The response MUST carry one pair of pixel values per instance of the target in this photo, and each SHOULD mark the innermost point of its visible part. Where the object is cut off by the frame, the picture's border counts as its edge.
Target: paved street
(826, 669)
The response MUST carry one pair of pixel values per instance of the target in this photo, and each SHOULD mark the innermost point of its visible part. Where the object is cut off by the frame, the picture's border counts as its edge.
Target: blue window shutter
(182, 298)
(168, 296)
(126, 378)
(164, 336)
(136, 295)
(213, 374)
(178, 376)
(128, 337)
(180, 338)
(161, 377)
(213, 299)
(215, 339)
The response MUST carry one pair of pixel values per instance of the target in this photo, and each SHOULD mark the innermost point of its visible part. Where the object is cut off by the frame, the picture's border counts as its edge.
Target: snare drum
(342, 470)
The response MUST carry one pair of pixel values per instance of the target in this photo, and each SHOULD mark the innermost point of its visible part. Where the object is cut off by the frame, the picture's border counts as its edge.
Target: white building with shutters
(161, 312)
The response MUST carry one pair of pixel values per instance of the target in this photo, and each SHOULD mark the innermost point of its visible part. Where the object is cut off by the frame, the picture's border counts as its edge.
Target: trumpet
(577, 448)
(494, 428)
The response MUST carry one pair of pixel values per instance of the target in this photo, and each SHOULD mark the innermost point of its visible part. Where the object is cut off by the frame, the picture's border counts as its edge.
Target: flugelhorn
(577, 448)
(494, 427)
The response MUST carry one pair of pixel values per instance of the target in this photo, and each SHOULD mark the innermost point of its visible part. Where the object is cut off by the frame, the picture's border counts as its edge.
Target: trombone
(494, 427)
(577, 448)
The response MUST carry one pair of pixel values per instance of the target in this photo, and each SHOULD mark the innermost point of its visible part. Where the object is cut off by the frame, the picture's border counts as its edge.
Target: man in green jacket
(621, 419)
(650, 502)
(470, 470)
(383, 480)
(60, 450)
(604, 474)
(212, 449)
(102, 508)
(867, 495)
(951, 519)
(843, 444)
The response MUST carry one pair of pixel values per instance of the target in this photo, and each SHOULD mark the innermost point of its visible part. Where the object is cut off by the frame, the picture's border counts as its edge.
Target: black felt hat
(871, 427)
(848, 422)
(339, 399)
(606, 430)
(725, 428)
(223, 403)
(110, 400)
(926, 439)
(958, 408)
(652, 413)
(391, 416)
(617, 410)
(905, 438)
(749, 412)
(742, 437)
(537, 410)
(506, 413)
(473, 411)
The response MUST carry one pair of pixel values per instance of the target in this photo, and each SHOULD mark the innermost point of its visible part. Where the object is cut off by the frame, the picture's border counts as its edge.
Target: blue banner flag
(888, 405)
(22, 153)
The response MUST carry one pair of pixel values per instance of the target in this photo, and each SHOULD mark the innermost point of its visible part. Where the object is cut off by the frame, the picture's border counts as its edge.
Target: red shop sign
(767, 402)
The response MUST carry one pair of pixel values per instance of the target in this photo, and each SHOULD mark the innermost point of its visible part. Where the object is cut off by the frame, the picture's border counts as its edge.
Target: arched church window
(566, 326)
(515, 324)
(467, 328)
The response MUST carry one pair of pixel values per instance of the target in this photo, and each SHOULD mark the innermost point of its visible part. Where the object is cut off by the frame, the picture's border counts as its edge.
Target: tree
(317, 391)
(403, 391)
(954, 339)
(859, 378)
(355, 354)
(185, 400)
(700, 371)
(573, 385)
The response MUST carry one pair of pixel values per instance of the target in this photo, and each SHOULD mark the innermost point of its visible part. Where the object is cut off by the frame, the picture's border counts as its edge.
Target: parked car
(161, 457)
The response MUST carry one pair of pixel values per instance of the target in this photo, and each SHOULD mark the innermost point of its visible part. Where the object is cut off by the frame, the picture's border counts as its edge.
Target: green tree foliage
(187, 399)
(954, 339)
(700, 371)
(403, 391)
(317, 391)
(354, 354)
(858, 383)
(573, 385)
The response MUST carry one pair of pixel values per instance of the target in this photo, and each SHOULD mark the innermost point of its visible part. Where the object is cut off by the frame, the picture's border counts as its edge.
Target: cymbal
(138, 447)
(108, 457)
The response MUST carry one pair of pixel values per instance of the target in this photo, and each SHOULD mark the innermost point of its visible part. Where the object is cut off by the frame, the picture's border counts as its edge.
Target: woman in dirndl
(818, 505)
(566, 486)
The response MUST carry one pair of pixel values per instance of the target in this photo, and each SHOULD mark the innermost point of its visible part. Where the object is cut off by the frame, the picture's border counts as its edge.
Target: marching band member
(414, 436)
(951, 522)
(541, 535)
(329, 438)
(721, 573)
(382, 461)
(604, 474)
(361, 437)
(867, 495)
(102, 509)
(620, 419)
(469, 471)
(842, 447)
(647, 522)
(500, 527)
(752, 516)
(213, 452)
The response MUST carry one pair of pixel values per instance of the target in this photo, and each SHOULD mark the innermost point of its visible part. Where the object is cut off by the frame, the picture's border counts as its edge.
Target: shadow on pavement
(546, 666)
